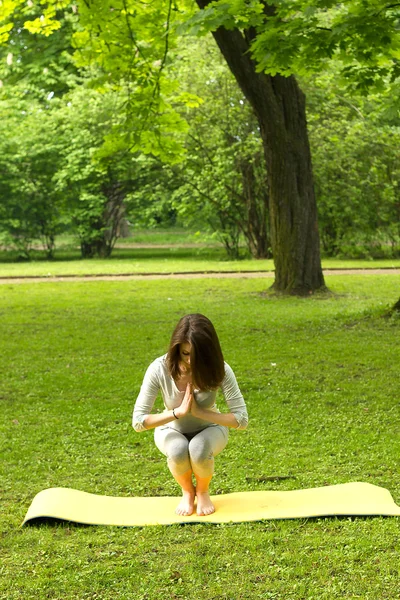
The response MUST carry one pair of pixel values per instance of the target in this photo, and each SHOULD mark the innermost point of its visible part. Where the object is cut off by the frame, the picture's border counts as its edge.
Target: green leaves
(44, 25)
(355, 158)
(189, 100)
(121, 67)
(299, 37)
(4, 32)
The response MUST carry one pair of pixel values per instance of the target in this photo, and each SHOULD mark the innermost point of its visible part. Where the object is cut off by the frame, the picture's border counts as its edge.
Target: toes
(205, 512)
(183, 512)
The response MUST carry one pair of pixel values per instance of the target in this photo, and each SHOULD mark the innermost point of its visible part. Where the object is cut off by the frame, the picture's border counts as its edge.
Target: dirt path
(199, 275)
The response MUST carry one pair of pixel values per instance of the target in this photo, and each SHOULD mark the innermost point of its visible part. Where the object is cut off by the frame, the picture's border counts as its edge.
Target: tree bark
(279, 105)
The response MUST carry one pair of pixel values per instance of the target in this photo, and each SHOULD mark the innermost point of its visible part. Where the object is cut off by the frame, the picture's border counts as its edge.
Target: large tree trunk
(279, 105)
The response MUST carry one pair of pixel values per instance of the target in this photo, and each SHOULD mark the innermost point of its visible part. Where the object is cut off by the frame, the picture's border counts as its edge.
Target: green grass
(321, 380)
(156, 260)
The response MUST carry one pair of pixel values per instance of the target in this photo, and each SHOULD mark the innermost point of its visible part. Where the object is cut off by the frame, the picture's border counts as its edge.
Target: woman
(191, 430)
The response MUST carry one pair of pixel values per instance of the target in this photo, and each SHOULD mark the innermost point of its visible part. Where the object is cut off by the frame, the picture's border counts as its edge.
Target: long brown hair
(206, 359)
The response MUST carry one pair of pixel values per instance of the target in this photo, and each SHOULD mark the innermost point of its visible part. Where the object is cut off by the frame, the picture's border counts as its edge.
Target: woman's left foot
(204, 505)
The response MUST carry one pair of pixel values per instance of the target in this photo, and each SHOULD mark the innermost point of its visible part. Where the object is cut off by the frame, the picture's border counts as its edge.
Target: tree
(223, 170)
(280, 109)
(31, 207)
(53, 175)
(261, 39)
(37, 60)
(355, 147)
(94, 179)
(265, 46)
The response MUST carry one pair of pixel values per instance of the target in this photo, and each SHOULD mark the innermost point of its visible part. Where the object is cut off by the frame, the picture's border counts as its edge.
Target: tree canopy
(129, 46)
(110, 78)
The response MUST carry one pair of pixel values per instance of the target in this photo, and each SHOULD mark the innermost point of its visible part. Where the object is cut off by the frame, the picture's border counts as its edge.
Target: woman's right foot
(186, 506)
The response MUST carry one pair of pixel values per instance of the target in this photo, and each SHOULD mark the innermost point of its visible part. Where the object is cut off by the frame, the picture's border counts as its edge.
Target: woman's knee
(177, 450)
(200, 450)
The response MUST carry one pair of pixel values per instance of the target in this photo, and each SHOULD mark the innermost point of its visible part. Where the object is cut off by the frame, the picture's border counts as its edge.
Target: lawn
(321, 380)
(162, 259)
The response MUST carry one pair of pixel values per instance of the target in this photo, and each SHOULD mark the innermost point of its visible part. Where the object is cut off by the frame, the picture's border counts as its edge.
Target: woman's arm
(237, 417)
(146, 398)
(226, 419)
(234, 398)
(152, 421)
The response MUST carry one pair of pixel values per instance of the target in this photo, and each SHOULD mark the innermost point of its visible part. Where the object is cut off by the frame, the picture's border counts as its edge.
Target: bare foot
(186, 505)
(204, 504)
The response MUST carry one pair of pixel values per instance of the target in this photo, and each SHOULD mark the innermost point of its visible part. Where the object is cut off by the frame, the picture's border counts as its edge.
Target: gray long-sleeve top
(157, 378)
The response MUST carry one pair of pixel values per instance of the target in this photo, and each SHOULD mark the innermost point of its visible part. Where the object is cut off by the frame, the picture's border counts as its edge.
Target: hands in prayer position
(187, 402)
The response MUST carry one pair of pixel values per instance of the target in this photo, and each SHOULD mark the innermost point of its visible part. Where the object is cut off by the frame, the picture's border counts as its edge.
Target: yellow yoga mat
(343, 499)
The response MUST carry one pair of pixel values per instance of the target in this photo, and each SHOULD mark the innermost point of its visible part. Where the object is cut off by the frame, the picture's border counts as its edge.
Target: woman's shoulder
(156, 370)
(229, 373)
(228, 368)
(159, 363)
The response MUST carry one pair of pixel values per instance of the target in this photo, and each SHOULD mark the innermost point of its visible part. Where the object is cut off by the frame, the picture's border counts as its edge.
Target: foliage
(36, 62)
(131, 55)
(148, 203)
(53, 49)
(301, 36)
(358, 189)
(93, 181)
(51, 180)
(101, 43)
(355, 144)
(66, 422)
(355, 158)
(129, 42)
(31, 207)
(224, 169)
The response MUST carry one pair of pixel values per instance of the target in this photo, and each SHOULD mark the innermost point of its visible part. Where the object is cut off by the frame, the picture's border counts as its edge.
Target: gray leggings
(193, 451)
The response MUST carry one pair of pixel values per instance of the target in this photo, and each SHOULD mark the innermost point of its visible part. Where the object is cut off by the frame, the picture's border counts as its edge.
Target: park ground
(320, 377)
(160, 255)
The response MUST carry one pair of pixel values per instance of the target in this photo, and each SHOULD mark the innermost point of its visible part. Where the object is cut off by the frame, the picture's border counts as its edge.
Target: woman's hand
(194, 408)
(186, 405)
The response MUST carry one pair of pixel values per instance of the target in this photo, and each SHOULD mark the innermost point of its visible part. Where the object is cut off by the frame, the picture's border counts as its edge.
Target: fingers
(187, 401)
(188, 391)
